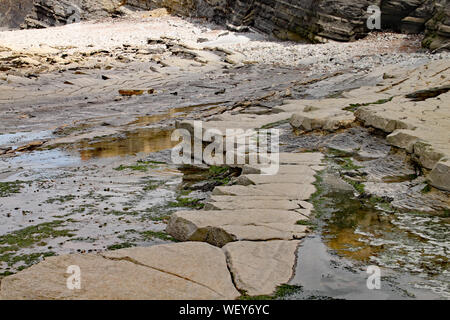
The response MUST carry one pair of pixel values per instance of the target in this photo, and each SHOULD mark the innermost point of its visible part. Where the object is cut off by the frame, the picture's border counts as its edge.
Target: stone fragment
(329, 120)
(129, 93)
(29, 146)
(440, 175)
(404, 139)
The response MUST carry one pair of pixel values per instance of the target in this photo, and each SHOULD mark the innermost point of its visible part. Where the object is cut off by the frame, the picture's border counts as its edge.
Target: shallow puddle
(372, 210)
(19, 138)
(369, 231)
(146, 140)
(173, 113)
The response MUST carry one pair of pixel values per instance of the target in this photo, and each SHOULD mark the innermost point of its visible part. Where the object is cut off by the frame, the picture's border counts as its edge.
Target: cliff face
(45, 13)
(437, 35)
(13, 12)
(314, 20)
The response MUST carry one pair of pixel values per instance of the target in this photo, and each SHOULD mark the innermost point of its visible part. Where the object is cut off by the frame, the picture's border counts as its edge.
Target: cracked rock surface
(259, 267)
(174, 271)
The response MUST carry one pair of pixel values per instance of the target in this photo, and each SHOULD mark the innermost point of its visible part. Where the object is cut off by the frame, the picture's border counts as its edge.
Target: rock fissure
(128, 259)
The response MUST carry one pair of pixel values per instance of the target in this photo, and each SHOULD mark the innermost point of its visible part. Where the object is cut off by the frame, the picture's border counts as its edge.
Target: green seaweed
(355, 106)
(186, 202)
(60, 199)
(140, 165)
(9, 188)
(34, 234)
(281, 292)
(347, 164)
(357, 185)
(123, 245)
(148, 235)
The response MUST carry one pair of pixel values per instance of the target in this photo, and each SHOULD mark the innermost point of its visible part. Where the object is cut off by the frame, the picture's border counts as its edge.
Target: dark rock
(317, 20)
(437, 35)
(13, 12)
(46, 13)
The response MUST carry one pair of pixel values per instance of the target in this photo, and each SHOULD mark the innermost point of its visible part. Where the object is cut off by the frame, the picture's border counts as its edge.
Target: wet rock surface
(102, 179)
(373, 207)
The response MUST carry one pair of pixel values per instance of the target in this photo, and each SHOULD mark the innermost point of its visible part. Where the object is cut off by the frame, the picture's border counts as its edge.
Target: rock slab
(258, 268)
(179, 271)
(219, 227)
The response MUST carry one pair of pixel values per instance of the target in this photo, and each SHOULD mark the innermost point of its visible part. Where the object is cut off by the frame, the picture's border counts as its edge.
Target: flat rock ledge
(291, 191)
(258, 221)
(258, 202)
(190, 270)
(318, 115)
(258, 268)
(411, 105)
(421, 128)
(219, 227)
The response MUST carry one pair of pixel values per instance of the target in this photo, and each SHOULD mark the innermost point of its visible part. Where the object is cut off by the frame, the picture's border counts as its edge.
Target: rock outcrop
(340, 20)
(316, 21)
(437, 36)
(410, 106)
(13, 12)
(47, 13)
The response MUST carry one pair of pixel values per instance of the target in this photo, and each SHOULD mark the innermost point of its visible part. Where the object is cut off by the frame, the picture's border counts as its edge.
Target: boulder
(47, 13)
(13, 12)
(440, 175)
(437, 34)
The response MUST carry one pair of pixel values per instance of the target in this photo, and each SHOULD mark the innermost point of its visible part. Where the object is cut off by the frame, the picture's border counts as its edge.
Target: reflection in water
(172, 113)
(143, 140)
(345, 215)
(38, 160)
(20, 138)
(409, 242)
